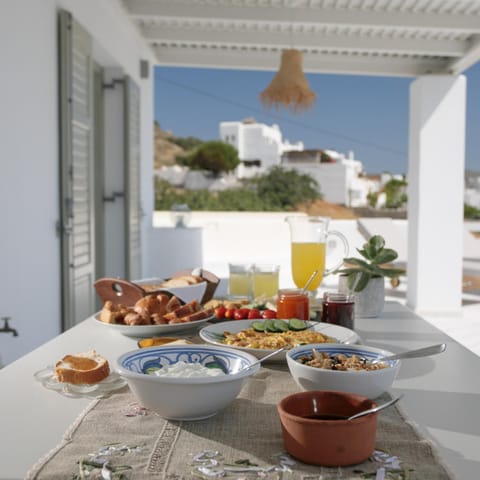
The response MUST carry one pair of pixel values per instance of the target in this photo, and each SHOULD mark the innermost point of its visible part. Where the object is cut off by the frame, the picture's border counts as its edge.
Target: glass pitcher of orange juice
(309, 237)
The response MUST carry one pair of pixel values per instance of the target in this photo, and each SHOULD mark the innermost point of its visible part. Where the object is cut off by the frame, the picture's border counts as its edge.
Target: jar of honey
(293, 303)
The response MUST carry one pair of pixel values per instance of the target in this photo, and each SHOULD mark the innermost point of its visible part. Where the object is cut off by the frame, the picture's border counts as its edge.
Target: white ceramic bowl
(370, 384)
(191, 398)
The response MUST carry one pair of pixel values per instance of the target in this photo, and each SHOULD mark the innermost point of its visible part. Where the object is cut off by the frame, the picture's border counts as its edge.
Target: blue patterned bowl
(192, 398)
(370, 384)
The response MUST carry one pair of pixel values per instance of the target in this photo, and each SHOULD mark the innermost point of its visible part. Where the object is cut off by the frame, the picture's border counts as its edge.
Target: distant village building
(262, 146)
(341, 178)
(472, 189)
(258, 145)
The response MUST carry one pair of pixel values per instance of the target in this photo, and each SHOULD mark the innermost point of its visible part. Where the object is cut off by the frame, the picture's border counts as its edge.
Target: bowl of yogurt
(186, 382)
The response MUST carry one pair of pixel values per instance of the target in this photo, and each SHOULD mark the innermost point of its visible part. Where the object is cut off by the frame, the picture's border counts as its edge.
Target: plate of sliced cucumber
(259, 337)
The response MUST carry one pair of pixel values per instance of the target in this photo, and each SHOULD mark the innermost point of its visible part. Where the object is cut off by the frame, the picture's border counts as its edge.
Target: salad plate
(151, 330)
(214, 334)
(101, 389)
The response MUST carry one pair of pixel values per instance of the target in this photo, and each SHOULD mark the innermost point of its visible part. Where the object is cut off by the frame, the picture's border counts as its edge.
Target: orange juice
(306, 258)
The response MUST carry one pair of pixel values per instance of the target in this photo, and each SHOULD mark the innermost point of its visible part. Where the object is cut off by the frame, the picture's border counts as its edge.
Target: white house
(257, 143)
(339, 178)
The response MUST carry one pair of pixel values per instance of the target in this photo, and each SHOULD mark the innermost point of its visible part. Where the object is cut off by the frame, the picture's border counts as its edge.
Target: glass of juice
(265, 280)
(240, 281)
(293, 303)
(309, 239)
(339, 309)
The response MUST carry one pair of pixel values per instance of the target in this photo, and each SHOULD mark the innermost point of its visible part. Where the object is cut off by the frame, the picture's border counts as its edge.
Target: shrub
(278, 190)
(214, 156)
(471, 212)
(282, 189)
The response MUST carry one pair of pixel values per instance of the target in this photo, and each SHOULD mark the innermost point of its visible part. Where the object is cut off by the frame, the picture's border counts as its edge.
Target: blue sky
(368, 115)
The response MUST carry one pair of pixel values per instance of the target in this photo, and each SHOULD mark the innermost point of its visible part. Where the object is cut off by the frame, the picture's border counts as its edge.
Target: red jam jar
(293, 303)
(339, 309)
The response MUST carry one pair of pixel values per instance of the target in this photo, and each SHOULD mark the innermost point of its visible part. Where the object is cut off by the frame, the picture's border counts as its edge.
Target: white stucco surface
(30, 285)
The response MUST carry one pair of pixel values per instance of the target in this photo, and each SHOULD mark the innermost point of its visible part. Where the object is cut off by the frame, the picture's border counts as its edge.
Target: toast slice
(82, 368)
(200, 315)
(184, 310)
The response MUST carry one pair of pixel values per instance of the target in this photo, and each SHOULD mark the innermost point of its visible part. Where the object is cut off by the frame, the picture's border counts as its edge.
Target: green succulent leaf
(352, 279)
(392, 272)
(346, 271)
(359, 271)
(377, 242)
(362, 264)
(385, 256)
(361, 281)
(365, 252)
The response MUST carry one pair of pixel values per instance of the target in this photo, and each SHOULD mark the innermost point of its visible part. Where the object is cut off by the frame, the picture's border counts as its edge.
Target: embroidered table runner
(115, 436)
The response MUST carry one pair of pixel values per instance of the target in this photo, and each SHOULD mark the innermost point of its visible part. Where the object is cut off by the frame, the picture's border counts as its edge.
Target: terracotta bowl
(327, 442)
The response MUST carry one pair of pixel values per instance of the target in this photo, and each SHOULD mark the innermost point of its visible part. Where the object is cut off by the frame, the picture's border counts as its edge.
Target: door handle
(113, 196)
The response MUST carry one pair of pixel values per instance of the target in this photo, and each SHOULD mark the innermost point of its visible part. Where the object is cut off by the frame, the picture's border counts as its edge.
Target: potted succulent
(365, 278)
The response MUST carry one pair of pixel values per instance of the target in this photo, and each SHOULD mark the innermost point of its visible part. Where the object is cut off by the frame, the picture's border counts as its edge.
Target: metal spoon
(309, 281)
(421, 352)
(260, 360)
(377, 408)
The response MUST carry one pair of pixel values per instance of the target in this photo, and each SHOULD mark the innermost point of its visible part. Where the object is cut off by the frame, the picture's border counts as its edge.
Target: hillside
(325, 209)
(164, 150)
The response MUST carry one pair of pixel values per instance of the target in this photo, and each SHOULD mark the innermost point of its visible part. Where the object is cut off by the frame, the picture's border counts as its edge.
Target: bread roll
(82, 368)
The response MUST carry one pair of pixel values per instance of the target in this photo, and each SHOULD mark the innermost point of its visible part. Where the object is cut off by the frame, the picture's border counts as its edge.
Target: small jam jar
(293, 303)
(339, 309)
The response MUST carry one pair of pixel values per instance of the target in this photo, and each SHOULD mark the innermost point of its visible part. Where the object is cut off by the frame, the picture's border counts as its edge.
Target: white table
(442, 393)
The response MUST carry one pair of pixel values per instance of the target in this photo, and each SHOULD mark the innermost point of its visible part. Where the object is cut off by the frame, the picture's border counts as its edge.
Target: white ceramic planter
(370, 301)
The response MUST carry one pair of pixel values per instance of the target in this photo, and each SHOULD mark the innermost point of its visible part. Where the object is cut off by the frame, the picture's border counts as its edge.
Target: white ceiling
(367, 37)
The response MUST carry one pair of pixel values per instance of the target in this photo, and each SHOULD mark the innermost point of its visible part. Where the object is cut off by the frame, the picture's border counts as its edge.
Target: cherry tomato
(269, 314)
(254, 313)
(220, 312)
(241, 314)
(230, 312)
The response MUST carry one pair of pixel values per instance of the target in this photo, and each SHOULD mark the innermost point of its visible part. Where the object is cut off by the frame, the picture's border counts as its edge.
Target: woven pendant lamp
(289, 88)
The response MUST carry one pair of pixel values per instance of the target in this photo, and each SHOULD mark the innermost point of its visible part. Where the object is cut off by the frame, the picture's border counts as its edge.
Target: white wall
(250, 237)
(331, 177)
(29, 182)
(435, 187)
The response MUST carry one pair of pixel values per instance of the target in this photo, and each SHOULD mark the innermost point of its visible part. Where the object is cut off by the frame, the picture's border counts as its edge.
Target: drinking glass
(309, 236)
(265, 280)
(240, 281)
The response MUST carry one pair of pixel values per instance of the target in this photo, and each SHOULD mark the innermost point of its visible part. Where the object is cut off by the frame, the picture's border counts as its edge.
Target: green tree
(214, 156)
(282, 189)
(395, 193)
(278, 190)
(471, 212)
(372, 199)
(187, 143)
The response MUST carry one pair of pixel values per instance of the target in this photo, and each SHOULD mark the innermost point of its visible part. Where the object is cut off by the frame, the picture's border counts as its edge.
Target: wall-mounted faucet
(7, 328)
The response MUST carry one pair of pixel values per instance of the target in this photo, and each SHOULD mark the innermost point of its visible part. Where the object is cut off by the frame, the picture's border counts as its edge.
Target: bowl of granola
(342, 368)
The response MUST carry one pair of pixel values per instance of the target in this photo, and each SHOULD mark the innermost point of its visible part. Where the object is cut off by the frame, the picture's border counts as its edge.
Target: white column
(435, 193)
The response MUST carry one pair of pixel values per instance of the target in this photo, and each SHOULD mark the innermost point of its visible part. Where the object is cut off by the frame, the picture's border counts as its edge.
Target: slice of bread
(82, 368)
(184, 310)
(200, 315)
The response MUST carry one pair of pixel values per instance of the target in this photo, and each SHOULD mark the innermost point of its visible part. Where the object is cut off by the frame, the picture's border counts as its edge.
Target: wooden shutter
(76, 168)
(133, 213)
